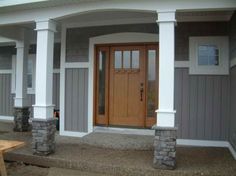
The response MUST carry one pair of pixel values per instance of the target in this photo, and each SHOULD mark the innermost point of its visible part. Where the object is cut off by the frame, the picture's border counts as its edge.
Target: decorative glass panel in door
(152, 84)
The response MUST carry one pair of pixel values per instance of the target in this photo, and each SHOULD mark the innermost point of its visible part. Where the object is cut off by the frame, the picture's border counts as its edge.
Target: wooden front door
(127, 86)
(123, 88)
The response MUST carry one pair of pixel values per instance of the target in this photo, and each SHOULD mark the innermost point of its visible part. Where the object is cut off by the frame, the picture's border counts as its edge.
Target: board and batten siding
(232, 44)
(6, 98)
(232, 136)
(202, 103)
(76, 99)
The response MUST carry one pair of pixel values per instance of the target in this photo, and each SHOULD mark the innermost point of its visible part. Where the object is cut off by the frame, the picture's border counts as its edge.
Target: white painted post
(166, 112)
(43, 108)
(21, 74)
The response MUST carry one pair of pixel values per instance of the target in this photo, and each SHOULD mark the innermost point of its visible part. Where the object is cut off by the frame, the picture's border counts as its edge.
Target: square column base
(43, 132)
(165, 148)
(21, 119)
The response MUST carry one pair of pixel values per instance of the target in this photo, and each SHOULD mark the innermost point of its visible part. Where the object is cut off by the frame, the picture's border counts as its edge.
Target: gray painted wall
(202, 105)
(232, 135)
(6, 99)
(76, 99)
(77, 39)
(184, 30)
(7, 104)
(6, 53)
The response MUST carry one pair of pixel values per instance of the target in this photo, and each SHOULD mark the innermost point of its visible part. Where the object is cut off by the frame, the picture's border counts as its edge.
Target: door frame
(116, 38)
(148, 121)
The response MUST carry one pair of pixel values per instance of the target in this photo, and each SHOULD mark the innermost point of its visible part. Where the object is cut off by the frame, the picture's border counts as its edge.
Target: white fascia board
(56, 12)
(6, 3)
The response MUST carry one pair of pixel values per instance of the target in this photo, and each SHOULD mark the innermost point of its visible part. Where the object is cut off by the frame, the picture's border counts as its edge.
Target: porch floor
(84, 155)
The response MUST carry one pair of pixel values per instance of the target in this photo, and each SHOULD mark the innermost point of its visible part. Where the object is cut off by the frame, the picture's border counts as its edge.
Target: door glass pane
(118, 59)
(126, 59)
(135, 59)
(102, 83)
(151, 93)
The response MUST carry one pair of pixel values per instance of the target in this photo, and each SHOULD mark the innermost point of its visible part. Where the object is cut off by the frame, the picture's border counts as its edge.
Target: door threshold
(134, 131)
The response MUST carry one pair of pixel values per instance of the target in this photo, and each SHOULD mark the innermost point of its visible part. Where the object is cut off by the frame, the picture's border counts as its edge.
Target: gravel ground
(20, 169)
(88, 155)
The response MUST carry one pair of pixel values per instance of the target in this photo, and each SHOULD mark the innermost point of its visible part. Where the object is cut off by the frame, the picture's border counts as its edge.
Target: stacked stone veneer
(43, 132)
(21, 119)
(165, 148)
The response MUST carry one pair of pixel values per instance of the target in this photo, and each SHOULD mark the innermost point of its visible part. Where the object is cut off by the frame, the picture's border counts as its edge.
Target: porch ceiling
(124, 17)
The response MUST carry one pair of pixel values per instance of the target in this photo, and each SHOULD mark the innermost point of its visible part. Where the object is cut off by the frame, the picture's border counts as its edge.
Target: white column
(21, 74)
(166, 112)
(43, 108)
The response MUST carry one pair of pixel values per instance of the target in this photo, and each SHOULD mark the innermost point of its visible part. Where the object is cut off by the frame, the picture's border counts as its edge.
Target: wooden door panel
(126, 107)
(133, 96)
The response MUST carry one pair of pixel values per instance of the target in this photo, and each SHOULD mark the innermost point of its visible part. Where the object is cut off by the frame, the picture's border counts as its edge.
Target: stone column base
(43, 132)
(21, 119)
(165, 148)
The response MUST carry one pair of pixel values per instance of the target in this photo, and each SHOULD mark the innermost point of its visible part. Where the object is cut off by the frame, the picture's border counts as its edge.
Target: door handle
(141, 92)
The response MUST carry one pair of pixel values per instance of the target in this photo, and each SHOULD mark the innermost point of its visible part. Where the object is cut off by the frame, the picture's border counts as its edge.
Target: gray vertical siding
(6, 99)
(202, 105)
(232, 39)
(78, 38)
(232, 136)
(184, 30)
(6, 53)
(76, 99)
(56, 90)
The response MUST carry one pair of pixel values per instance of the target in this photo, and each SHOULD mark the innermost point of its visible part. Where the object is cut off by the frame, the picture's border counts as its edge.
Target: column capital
(21, 44)
(166, 16)
(49, 25)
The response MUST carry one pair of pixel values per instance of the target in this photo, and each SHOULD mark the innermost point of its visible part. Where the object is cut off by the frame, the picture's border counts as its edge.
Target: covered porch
(133, 67)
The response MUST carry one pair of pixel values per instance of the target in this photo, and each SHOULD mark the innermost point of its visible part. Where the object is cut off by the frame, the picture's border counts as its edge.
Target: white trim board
(181, 64)
(73, 134)
(7, 118)
(202, 143)
(207, 143)
(6, 71)
(233, 152)
(145, 132)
